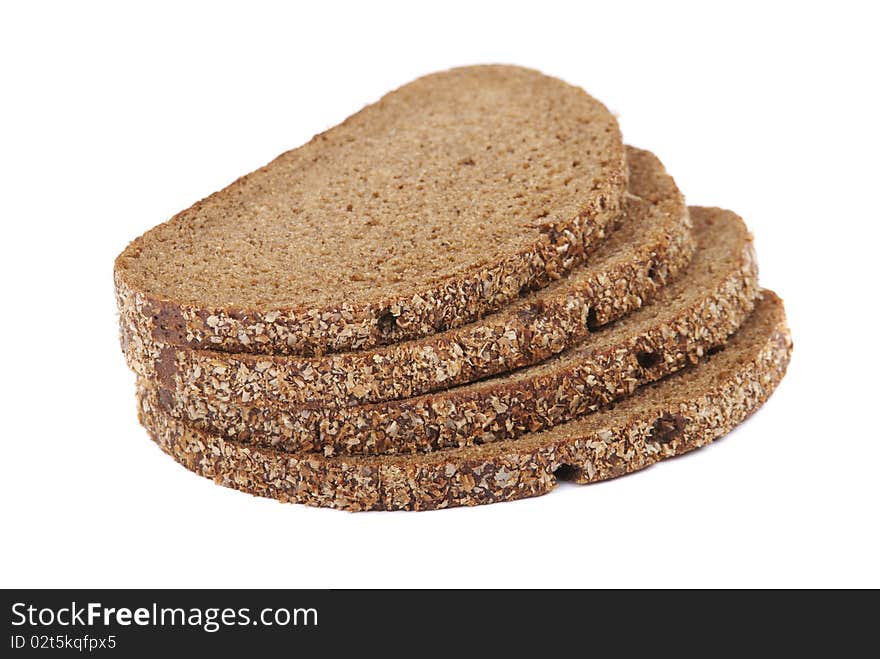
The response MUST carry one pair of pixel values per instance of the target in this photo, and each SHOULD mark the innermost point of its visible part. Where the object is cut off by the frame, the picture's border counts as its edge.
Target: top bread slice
(439, 203)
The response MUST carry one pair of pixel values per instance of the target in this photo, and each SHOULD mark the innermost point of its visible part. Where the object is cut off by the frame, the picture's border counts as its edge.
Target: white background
(113, 118)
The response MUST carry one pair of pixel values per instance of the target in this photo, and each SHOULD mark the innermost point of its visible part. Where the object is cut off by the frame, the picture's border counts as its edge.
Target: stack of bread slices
(462, 294)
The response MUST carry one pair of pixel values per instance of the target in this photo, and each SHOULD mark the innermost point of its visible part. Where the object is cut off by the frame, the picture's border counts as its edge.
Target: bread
(442, 202)
(680, 413)
(647, 250)
(695, 313)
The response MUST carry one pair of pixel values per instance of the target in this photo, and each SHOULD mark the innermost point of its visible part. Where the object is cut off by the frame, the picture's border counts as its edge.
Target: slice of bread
(651, 244)
(683, 412)
(695, 313)
(443, 201)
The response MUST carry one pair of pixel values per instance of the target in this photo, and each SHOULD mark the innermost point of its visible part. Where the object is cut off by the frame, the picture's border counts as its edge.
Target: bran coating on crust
(442, 202)
(683, 412)
(648, 249)
(694, 314)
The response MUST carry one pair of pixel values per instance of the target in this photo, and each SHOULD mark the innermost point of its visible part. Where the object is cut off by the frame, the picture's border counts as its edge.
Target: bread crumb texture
(649, 245)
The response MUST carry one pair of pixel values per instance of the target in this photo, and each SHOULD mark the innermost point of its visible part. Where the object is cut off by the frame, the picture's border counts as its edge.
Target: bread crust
(694, 315)
(621, 276)
(674, 416)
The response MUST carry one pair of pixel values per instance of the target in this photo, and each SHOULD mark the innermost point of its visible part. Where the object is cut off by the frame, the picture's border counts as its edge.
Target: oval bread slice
(695, 313)
(652, 243)
(676, 415)
(443, 201)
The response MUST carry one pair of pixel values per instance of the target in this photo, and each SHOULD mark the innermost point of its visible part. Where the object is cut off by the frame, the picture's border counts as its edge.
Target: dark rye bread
(695, 313)
(676, 415)
(441, 202)
(652, 243)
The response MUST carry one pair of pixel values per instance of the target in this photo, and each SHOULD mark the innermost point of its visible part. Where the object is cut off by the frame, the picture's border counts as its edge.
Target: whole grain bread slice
(678, 414)
(651, 243)
(695, 313)
(441, 202)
